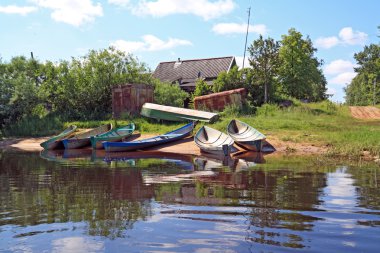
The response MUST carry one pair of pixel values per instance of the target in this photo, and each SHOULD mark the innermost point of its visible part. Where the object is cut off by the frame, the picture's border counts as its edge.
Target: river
(84, 201)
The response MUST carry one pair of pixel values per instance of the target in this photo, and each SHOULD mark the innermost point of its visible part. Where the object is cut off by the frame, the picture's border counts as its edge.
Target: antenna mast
(246, 35)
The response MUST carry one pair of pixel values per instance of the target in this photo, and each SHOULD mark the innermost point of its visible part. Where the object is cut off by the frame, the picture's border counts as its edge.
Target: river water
(86, 201)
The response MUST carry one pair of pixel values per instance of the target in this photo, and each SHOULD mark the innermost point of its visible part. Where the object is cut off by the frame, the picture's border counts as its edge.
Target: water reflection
(72, 201)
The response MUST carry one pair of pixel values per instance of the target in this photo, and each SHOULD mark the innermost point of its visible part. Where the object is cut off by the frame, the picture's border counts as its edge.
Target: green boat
(118, 134)
(170, 113)
(56, 141)
(84, 139)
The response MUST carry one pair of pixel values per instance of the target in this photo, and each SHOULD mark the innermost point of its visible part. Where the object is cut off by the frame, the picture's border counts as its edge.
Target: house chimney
(177, 63)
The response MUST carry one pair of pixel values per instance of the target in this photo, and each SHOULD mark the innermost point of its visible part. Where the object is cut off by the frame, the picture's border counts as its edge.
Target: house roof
(191, 69)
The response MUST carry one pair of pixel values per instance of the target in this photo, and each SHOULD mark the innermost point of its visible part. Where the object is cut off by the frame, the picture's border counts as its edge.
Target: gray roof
(190, 69)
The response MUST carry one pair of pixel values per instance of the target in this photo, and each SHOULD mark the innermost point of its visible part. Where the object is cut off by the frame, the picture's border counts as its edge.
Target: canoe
(84, 139)
(245, 136)
(170, 113)
(56, 141)
(175, 135)
(117, 134)
(213, 141)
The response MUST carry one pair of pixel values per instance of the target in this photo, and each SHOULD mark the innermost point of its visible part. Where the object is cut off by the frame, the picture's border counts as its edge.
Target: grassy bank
(319, 124)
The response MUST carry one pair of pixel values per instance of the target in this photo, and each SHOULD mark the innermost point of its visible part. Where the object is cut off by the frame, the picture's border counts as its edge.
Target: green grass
(321, 124)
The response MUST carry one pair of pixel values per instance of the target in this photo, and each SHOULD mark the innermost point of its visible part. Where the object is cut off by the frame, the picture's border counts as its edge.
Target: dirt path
(365, 112)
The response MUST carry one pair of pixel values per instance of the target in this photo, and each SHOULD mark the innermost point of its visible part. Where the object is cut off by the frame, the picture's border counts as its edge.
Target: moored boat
(175, 135)
(245, 136)
(84, 139)
(170, 113)
(114, 135)
(56, 141)
(211, 140)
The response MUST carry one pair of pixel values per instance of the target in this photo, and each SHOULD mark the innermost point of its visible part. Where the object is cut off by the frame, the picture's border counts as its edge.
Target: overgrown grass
(34, 126)
(320, 124)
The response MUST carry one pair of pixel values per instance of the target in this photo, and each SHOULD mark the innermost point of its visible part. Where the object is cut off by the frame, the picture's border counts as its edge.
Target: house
(186, 72)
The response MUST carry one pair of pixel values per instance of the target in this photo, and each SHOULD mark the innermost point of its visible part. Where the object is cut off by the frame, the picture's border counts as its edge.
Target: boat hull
(84, 139)
(212, 141)
(169, 113)
(251, 145)
(172, 136)
(52, 145)
(56, 141)
(115, 135)
(76, 143)
(245, 136)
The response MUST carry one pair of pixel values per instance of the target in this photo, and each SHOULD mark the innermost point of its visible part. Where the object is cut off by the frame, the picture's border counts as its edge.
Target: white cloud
(338, 67)
(327, 42)
(20, 10)
(76, 244)
(161, 8)
(350, 37)
(331, 91)
(230, 28)
(343, 78)
(149, 43)
(123, 3)
(347, 36)
(73, 12)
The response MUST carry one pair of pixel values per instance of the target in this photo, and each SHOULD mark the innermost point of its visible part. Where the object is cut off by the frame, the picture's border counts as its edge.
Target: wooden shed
(129, 98)
(218, 101)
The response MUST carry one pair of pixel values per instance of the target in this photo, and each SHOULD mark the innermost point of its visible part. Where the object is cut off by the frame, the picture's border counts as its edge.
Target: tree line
(79, 89)
(279, 70)
(364, 88)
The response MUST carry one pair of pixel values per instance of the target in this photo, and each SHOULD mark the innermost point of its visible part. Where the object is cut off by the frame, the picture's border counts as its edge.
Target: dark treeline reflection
(36, 191)
(278, 204)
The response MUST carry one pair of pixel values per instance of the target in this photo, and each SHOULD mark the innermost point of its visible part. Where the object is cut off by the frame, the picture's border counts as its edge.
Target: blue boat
(175, 135)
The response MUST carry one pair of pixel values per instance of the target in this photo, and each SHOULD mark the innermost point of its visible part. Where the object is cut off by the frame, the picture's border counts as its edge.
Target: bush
(169, 94)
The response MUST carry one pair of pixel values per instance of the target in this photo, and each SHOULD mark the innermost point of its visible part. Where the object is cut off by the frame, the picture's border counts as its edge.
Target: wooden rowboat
(170, 113)
(56, 141)
(118, 134)
(245, 136)
(84, 139)
(213, 141)
(175, 135)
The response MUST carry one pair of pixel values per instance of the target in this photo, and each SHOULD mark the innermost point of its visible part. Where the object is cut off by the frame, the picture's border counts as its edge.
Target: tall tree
(364, 88)
(264, 59)
(299, 73)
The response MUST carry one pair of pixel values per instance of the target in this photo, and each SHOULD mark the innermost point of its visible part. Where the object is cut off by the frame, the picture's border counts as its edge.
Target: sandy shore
(185, 146)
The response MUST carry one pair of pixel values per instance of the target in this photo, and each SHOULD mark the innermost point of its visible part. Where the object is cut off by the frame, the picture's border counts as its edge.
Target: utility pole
(246, 35)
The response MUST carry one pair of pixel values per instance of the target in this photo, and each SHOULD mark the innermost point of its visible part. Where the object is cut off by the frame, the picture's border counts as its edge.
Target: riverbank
(185, 146)
(316, 129)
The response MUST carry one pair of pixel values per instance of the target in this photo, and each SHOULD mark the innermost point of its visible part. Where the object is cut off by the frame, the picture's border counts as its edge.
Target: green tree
(299, 73)
(169, 94)
(77, 89)
(228, 80)
(201, 88)
(363, 89)
(264, 59)
(19, 82)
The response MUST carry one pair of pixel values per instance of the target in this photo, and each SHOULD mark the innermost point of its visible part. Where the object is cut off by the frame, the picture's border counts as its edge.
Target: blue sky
(164, 30)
